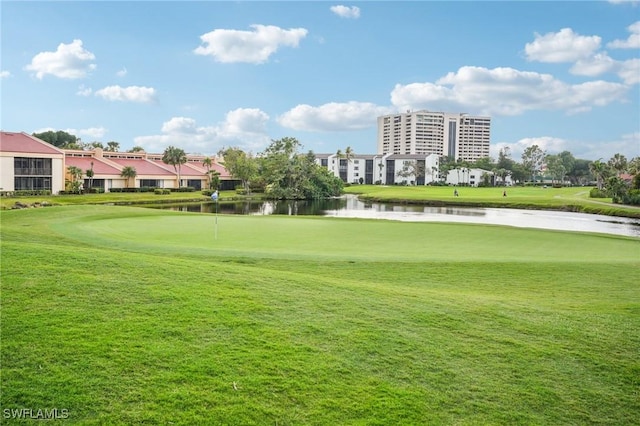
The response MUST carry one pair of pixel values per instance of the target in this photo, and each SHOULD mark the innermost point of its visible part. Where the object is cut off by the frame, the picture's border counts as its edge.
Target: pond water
(350, 206)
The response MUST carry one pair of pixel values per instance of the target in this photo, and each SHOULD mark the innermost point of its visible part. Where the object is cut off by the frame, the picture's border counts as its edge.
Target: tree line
(617, 177)
(282, 171)
(64, 140)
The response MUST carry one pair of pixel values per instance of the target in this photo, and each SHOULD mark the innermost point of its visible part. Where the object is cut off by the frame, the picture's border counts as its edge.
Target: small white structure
(474, 177)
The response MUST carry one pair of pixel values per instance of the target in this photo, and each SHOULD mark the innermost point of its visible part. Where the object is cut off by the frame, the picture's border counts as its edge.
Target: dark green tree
(504, 159)
(532, 160)
(89, 173)
(556, 168)
(290, 175)
(175, 157)
(600, 172)
(75, 173)
(579, 173)
(618, 163)
(113, 146)
(240, 165)
(412, 168)
(484, 163)
(60, 138)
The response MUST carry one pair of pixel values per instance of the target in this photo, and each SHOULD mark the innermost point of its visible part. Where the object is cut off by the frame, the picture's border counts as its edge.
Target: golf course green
(126, 315)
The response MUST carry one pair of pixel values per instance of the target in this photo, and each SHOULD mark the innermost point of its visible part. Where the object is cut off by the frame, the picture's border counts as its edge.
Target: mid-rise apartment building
(457, 135)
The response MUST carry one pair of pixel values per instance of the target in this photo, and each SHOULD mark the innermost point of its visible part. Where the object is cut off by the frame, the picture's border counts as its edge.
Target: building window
(151, 183)
(23, 166)
(31, 183)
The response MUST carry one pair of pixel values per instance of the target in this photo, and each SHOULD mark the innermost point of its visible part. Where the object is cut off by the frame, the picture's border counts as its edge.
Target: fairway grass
(126, 315)
(575, 199)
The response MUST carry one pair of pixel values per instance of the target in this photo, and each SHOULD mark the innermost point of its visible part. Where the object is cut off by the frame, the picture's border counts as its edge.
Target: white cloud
(629, 71)
(595, 65)
(504, 91)
(228, 46)
(139, 94)
(246, 121)
(632, 42)
(243, 127)
(632, 2)
(93, 133)
(122, 72)
(68, 61)
(563, 46)
(332, 117)
(84, 91)
(181, 125)
(346, 11)
(5, 74)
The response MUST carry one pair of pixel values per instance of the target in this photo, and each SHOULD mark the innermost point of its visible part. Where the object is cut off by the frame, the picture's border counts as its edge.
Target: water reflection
(350, 206)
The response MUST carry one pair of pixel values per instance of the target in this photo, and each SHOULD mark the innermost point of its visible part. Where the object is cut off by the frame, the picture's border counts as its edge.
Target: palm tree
(89, 173)
(76, 175)
(176, 157)
(618, 163)
(207, 163)
(128, 173)
(348, 154)
(214, 179)
(599, 170)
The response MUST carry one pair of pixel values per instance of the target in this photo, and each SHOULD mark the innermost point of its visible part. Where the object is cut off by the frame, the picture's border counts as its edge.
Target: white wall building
(386, 169)
(457, 135)
(27, 163)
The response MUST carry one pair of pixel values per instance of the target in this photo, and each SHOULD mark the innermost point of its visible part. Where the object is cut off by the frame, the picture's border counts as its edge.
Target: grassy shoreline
(532, 198)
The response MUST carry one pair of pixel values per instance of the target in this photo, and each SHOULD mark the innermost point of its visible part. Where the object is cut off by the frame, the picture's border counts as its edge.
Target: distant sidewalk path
(589, 200)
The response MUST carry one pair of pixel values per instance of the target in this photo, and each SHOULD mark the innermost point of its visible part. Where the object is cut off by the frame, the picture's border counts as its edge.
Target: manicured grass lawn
(125, 315)
(109, 197)
(570, 198)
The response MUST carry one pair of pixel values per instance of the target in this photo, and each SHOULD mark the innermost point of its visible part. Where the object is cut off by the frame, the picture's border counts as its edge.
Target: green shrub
(597, 193)
(632, 197)
(115, 190)
(25, 192)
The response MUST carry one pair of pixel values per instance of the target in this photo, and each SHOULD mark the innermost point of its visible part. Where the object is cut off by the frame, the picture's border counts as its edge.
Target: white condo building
(387, 169)
(456, 135)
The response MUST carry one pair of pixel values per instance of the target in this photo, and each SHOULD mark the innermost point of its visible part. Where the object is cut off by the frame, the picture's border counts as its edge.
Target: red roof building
(30, 164)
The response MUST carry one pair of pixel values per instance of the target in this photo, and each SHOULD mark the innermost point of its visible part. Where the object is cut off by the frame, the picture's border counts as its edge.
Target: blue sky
(206, 75)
